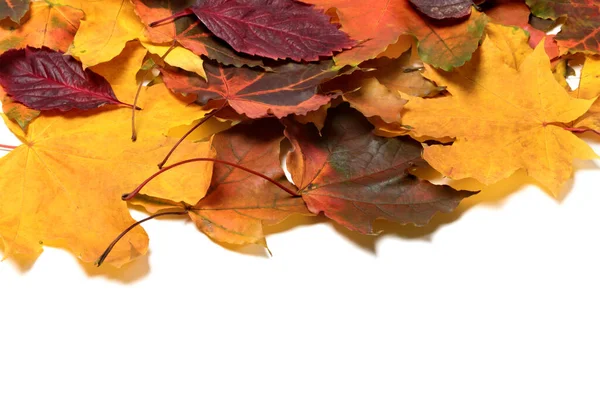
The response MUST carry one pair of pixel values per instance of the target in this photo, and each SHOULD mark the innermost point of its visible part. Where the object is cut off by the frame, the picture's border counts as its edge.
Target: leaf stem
(139, 89)
(129, 196)
(202, 121)
(182, 13)
(7, 147)
(114, 242)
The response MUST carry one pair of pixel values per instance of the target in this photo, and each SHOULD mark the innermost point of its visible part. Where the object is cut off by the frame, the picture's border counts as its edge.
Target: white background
(500, 300)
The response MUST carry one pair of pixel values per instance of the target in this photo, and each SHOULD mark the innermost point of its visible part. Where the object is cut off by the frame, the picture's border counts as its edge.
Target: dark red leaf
(44, 79)
(290, 89)
(275, 29)
(189, 32)
(13, 9)
(442, 9)
(355, 177)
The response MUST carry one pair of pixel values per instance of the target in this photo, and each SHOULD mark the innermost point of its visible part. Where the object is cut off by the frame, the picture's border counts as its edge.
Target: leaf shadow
(129, 273)
(491, 196)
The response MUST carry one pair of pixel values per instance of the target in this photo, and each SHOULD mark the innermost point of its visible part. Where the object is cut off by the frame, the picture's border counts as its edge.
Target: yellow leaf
(511, 41)
(178, 57)
(503, 120)
(589, 88)
(108, 25)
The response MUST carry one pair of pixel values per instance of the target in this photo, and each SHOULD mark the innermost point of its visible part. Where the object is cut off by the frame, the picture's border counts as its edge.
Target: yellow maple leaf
(503, 120)
(63, 186)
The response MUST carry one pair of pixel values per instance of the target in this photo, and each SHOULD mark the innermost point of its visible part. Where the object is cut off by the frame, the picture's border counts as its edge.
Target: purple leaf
(44, 79)
(442, 9)
(275, 29)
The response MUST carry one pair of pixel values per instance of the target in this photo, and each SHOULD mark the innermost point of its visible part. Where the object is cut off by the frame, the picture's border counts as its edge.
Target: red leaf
(442, 9)
(275, 29)
(45, 79)
(355, 177)
(13, 9)
(290, 89)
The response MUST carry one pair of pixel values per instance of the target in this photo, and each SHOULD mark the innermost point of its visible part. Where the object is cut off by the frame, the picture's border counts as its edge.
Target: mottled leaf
(17, 112)
(581, 30)
(13, 9)
(378, 23)
(50, 25)
(443, 9)
(44, 79)
(355, 177)
(290, 88)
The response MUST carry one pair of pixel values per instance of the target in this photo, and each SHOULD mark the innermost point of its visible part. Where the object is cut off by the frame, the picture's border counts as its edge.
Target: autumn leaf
(377, 24)
(13, 9)
(442, 9)
(290, 88)
(403, 75)
(49, 25)
(276, 29)
(64, 189)
(498, 129)
(355, 177)
(516, 13)
(581, 30)
(44, 79)
(17, 112)
(589, 88)
(374, 99)
(189, 32)
(239, 204)
(108, 26)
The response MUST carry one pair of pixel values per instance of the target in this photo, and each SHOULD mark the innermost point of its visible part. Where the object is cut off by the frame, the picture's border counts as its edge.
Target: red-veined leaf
(43, 79)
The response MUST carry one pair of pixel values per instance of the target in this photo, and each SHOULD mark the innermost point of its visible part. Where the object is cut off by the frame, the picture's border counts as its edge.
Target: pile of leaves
(188, 107)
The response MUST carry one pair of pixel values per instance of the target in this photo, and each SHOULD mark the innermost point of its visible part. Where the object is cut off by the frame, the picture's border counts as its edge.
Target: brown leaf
(355, 177)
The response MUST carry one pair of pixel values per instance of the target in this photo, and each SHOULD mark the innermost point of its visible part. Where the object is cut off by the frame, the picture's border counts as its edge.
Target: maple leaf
(44, 79)
(355, 177)
(64, 189)
(66, 180)
(189, 32)
(498, 129)
(49, 25)
(276, 29)
(442, 9)
(516, 13)
(581, 31)
(378, 23)
(290, 88)
(13, 9)
(108, 26)
(238, 204)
